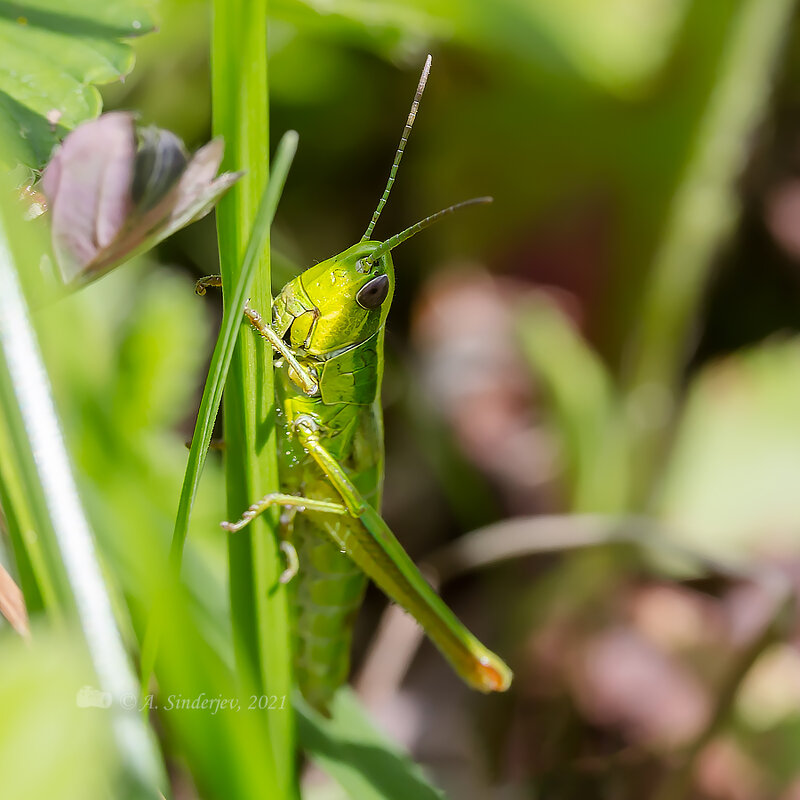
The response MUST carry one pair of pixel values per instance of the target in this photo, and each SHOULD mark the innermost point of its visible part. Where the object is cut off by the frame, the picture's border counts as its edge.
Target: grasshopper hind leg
(372, 545)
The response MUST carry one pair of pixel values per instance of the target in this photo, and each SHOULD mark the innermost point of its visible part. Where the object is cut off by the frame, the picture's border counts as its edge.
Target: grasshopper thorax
(337, 303)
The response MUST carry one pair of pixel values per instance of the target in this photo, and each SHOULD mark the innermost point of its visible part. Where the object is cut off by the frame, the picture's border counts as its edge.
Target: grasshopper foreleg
(304, 378)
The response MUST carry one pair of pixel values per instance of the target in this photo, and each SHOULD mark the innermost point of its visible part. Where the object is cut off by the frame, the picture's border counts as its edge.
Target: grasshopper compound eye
(374, 292)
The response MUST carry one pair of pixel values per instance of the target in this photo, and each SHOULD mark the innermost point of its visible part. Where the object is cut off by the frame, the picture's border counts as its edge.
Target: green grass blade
(223, 351)
(259, 604)
(217, 373)
(359, 758)
(39, 449)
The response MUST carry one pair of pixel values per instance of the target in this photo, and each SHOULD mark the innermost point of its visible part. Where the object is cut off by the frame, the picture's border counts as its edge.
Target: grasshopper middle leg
(294, 502)
(286, 501)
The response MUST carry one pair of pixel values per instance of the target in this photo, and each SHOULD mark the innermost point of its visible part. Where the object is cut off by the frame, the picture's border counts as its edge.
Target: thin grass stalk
(259, 607)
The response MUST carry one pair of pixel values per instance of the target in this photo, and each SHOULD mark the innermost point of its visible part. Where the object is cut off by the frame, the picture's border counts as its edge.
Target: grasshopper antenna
(402, 146)
(399, 238)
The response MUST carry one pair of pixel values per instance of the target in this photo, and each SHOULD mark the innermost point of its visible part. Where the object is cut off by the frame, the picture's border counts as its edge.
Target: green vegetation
(591, 393)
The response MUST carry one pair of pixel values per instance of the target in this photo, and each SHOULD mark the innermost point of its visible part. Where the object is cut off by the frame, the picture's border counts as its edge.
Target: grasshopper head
(346, 300)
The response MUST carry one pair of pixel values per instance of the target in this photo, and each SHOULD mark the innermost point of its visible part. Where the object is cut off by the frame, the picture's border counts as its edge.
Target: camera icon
(89, 697)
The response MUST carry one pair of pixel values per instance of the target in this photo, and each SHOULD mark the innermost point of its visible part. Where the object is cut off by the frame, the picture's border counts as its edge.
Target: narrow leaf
(38, 446)
(215, 382)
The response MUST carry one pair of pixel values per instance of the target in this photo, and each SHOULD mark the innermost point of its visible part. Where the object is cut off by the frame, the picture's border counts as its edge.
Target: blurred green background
(617, 334)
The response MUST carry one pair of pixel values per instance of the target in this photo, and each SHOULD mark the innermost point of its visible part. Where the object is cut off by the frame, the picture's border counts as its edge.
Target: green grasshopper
(327, 331)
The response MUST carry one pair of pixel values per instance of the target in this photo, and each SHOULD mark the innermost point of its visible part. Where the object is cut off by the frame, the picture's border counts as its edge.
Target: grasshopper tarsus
(209, 281)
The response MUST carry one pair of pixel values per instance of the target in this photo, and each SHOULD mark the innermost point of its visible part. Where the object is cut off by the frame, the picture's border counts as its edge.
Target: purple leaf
(114, 193)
